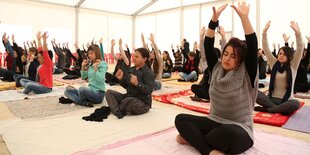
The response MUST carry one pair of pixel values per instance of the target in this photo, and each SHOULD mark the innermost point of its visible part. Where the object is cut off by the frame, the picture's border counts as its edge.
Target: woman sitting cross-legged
(284, 69)
(139, 85)
(233, 88)
(95, 73)
(44, 71)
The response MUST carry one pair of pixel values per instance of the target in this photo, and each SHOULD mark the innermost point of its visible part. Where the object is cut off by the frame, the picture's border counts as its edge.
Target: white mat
(11, 95)
(68, 133)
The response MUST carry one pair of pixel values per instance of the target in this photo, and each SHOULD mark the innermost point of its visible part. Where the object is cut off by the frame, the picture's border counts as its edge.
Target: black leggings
(274, 105)
(201, 91)
(206, 135)
(301, 87)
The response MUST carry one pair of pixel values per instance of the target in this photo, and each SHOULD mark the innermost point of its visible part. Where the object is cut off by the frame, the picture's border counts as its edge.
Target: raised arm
(143, 42)
(210, 54)
(112, 50)
(47, 59)
(203, 60)
(299, 45)
(270, 58)
(123, 55)
(251, 39)
(158, 56)
(101, 48)
(285, 38)
(223, 41)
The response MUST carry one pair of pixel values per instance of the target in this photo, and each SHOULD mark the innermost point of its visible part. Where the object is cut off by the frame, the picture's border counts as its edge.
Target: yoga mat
(164, 143)
(67, 133)
(300, 121)
(41, 107)
(12, 95)
(275, 119)
(302, 95)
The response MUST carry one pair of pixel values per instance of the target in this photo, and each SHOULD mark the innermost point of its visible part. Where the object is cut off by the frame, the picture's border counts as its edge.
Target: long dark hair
(239, 47)
(145, 54)
(155, 64)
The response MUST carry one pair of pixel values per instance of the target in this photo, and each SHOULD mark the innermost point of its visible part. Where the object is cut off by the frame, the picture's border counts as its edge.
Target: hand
(96, 64)
(142, 37)
(84, 63)
(152, 39)
(134, 80)
(171, 46)
(120, 42)
(39, 35)
(119, 74)
(126, 45)
(113, 42)
(292, 44)
(100, 41)
(45, 36)
(13, 38)
(295, 27)
(279, 46)
(217, 12)
(203, 32)
(242, 10)
(308, 38)
(266, 27)
(274, 45)
(221, 31)
(5, 38)
(285, 37)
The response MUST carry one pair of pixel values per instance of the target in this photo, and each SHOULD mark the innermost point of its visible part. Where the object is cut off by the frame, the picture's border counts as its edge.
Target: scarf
(277, 67)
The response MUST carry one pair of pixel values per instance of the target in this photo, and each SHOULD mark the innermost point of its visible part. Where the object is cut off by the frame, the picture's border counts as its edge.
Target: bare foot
(216, 152)
(181, 140)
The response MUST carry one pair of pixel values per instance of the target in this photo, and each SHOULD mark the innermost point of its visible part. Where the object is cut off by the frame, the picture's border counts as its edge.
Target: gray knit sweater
(232, 97)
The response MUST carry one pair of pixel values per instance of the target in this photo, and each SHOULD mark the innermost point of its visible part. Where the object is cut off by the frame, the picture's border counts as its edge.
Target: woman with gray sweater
(283, 74)
(233, 89)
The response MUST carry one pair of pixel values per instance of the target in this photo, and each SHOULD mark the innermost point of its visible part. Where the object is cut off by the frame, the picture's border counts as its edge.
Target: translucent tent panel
(116, 6)
(162, 5)
(191, 2)
(169, 4)
(64, 2)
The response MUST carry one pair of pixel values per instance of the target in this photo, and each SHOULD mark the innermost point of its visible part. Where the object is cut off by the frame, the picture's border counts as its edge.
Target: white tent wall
(26, 19)
(96, 24)
(280, 13)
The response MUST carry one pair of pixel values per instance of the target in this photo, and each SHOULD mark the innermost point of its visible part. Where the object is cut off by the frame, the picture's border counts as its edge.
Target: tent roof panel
(117, 6)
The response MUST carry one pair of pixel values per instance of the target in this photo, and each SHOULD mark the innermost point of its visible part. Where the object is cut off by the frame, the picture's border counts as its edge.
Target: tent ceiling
(127, 7)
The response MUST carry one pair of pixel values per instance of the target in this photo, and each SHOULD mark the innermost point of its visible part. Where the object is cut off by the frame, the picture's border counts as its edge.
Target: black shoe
(65, 100)
(181, 80)
(192, 80)
(88, 104)
(119, 114)
(261, 109)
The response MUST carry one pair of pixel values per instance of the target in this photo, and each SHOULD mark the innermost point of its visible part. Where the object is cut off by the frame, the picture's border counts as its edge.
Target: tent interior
(80, 21)
(83, 21)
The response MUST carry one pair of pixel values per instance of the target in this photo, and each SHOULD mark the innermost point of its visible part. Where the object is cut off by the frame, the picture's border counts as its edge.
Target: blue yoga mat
(300, 121)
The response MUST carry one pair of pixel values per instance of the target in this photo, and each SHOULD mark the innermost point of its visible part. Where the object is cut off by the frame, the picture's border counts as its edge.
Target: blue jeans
(157, 85)
(166, 75)
(17, 78)
(34, 86)
(188, 77)
(84, 95)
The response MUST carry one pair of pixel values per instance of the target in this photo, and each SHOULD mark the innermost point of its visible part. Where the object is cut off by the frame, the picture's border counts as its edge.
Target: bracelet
(213, 25)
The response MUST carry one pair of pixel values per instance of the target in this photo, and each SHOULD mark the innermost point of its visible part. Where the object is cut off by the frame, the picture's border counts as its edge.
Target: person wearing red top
(44, 77)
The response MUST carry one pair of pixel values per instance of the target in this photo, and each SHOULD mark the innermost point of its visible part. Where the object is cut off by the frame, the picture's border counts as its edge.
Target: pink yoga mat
(163, 143)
